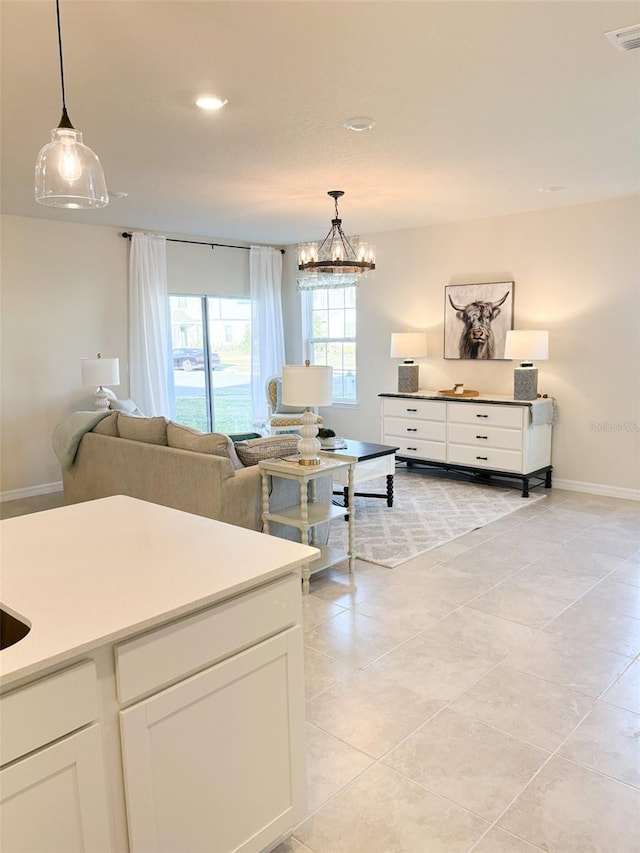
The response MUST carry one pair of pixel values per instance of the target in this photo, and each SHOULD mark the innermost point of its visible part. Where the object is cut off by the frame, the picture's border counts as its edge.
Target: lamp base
(408, 378)
(309, 446)
(525, 383)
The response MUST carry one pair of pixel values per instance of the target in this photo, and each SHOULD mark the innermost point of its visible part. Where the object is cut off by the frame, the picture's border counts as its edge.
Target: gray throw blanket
(544, 412)
(68, 434)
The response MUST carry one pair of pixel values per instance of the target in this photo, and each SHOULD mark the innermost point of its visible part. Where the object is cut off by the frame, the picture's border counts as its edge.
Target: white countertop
(96, 572)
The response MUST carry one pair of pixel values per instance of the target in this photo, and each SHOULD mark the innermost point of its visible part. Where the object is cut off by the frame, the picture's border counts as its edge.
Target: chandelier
(68, 173)
(339, 261)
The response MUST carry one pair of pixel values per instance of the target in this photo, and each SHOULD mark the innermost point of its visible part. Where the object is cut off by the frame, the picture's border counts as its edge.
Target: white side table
(307, 514)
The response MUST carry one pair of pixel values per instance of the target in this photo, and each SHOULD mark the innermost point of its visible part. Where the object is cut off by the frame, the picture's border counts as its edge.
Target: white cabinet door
(216, 762)
(55, 800)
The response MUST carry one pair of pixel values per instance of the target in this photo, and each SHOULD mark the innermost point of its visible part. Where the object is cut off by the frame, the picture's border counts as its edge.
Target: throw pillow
(127, 406)
(108, 425)
(281, 409)
(271, 447)
(215, 443)
(151, 430)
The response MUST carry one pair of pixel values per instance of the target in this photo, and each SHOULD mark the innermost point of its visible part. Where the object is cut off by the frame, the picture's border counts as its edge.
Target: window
(330, 319)
(212, 392)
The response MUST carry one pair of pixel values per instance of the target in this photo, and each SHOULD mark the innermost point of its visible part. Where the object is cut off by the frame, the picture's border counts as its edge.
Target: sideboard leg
(547, 479)
(525, 487)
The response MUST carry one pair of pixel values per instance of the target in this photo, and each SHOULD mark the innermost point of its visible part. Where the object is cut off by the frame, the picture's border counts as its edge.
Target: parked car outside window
(191, 358)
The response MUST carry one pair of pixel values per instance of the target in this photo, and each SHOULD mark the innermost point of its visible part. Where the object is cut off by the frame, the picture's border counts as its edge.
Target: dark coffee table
(372, 460)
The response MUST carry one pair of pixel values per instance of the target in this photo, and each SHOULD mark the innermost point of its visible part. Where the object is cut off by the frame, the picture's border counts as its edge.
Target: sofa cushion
(281, 409)
(271, 447)
(150, 430)
(108, 425)
(127, 406)
(216, 443)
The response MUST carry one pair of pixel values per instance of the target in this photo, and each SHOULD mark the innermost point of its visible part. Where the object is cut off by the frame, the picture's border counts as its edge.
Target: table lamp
(307, 385)
(526, 344)
(408, 345)
(100, 372)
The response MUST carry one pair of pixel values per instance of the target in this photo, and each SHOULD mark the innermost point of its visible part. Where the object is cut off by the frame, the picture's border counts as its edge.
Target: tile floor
(483, 697)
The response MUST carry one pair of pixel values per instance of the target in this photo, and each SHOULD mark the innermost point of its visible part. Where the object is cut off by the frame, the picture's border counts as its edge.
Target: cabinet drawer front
(502, 416)
(435, 450)
(167, 654)
(411, 428)
(41, 712)
(499, 460)
(402, 408)
(482, 436)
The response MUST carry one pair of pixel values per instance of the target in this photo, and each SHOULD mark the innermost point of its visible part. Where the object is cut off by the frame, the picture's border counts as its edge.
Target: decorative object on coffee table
(307, 385)
(526, 344)
(408, 345)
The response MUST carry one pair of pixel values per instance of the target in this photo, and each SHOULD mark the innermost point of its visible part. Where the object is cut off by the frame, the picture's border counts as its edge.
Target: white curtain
(150, 364)
(267, 330)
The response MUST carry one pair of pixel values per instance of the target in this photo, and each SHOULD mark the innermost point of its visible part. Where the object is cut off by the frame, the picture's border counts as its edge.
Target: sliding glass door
(211, 342)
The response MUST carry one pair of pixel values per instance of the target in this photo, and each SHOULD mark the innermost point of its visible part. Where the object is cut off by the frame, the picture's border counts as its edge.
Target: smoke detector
(627, 38)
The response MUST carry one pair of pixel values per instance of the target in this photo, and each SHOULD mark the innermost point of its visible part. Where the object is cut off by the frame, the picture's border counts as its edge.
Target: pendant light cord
(64, 121)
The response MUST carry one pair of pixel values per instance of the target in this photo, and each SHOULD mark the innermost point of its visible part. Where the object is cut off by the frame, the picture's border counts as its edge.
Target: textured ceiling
(477, 104)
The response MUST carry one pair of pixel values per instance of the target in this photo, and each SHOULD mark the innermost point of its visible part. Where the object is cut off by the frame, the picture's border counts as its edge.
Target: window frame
(309, 339)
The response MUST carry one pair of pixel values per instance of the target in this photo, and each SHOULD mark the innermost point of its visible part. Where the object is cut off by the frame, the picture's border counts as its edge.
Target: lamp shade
(527, 344)
(307, 385)
(408, 344)
(100, 371)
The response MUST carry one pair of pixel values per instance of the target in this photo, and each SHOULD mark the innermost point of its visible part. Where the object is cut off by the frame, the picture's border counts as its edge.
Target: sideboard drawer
(427, 409)
(477, 457)
(436, 450)
(502, 416)
(411, 428)
(479, 435)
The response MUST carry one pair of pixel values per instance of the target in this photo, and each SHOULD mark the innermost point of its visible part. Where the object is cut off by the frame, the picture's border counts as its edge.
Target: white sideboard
(489, 436)
(157, 702)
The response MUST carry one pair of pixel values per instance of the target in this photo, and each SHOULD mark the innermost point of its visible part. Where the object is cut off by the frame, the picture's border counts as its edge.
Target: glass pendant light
(68, 173)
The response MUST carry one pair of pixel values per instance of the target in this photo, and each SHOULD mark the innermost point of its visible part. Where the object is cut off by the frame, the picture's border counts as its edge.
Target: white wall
(576, 272)
(576, 269)
(64, 297)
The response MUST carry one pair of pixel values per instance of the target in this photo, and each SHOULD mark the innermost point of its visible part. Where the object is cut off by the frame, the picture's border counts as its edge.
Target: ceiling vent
(627, 38)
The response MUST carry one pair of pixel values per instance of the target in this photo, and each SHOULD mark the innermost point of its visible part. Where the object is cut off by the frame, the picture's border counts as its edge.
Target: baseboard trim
(597, 489)
(31, 491)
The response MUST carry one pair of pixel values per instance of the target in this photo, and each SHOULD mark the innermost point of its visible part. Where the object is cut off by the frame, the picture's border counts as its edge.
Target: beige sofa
(147, 458)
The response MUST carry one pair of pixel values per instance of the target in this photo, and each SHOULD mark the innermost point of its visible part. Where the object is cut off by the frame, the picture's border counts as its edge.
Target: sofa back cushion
(108, 425)
(216, 443)
(149, 430)
(272, 447)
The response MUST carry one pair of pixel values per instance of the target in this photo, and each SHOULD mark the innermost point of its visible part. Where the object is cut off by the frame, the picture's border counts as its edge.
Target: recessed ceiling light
(359, 124)
(210, 102)
(551, 189)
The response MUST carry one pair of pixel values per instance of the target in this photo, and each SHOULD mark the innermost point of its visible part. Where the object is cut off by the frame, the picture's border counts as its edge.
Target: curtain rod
(127, 235)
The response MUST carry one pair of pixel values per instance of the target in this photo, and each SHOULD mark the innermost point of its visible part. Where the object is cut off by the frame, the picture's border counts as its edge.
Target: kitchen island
(156, 703)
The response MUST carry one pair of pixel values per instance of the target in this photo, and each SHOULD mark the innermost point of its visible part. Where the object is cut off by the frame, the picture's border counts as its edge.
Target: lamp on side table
(100, 372)
(307, 385)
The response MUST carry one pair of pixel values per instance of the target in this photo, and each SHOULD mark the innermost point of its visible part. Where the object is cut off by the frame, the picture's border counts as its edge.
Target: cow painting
(478, 327)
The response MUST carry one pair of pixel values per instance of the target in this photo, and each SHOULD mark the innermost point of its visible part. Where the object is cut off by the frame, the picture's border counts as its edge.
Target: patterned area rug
(427, 512)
